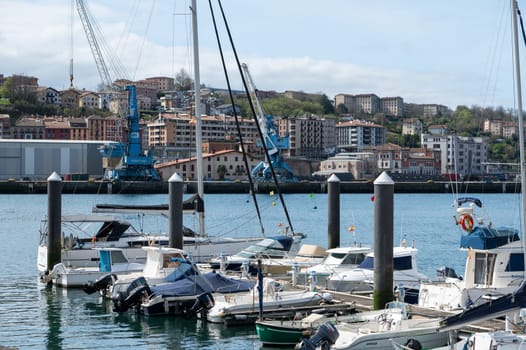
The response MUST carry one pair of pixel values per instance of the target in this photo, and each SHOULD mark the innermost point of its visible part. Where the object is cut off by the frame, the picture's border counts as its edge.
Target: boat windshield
(266, 247)
(367, 263)
(399, 263)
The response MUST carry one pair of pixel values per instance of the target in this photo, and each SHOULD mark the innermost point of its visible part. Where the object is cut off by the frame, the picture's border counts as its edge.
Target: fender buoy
(466, 221)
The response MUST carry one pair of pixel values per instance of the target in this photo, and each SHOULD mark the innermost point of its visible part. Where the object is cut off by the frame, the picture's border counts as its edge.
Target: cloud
(408, 55)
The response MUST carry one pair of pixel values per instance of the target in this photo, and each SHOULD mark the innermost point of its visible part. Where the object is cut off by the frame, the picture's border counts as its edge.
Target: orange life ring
(466, 221)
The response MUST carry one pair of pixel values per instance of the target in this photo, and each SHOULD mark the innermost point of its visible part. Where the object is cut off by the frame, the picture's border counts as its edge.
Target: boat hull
(277, 335)
(200, 252)
(429, 338)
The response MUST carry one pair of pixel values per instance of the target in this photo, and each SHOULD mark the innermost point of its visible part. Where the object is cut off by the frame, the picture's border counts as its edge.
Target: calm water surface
(33, 316)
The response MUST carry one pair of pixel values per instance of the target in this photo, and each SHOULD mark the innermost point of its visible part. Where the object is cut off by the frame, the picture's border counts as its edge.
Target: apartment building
(89, 100)
(162, 83)
(349, 166)
(5, 126)
(48, 95)
(412, 126)
(107, 129)
(421, 162)
(500, 128)
(310, 137)
(355, 135)
(459, 155)
(371, 104)
(70, 98)
(57, 129)
(178, 131)
(78, 129)
(226, 164)
(393, 106)
(29, 128)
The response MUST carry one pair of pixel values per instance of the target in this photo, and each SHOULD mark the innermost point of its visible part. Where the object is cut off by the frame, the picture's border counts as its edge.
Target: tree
(328, 107)
(17, 88)
(221, 171)
(183, 82)
(341, 109)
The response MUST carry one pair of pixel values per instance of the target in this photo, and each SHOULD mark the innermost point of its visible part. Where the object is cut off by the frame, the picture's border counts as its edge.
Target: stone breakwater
(161, 187)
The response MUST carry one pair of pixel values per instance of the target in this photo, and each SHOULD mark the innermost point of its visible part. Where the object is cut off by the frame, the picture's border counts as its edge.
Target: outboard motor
(203, 302)
(446, 271)
(324, 337)
(100, 283)
(132, 296)
(412, 344)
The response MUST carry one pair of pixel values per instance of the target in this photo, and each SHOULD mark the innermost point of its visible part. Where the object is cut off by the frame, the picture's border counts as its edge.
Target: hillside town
(318, 145)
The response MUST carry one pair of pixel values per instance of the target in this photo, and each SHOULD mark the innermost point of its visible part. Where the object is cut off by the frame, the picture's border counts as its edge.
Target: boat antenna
(253, 110)
(516, 13)
(245, 159)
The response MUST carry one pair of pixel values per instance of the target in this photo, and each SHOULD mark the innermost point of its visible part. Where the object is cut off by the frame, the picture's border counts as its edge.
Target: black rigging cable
(247, 167)
(240, 135)
(274, 177)
(522, 24)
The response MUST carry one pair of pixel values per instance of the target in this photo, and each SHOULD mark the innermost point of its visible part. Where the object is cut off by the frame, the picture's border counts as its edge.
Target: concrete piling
(333, 197)
(54, 220)
(175, 211)
(383, 240)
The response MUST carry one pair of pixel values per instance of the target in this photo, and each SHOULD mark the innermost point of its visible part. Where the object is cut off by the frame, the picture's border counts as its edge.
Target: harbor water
(34, 316)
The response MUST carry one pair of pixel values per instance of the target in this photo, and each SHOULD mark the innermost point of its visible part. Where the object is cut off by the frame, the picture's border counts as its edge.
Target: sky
(446, 52)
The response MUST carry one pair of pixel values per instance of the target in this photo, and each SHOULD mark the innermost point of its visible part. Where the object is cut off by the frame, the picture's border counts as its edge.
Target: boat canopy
(488, 237)
(193, 204)
(112, 230)
(312, 250)
(197, 284)
(473, 200)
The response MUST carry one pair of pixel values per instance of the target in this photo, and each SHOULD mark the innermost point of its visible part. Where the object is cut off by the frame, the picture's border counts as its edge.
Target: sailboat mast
(519, 117)
(198, 125)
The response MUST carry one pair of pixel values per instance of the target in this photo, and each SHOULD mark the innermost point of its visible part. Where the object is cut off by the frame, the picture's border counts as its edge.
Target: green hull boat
(278, 333)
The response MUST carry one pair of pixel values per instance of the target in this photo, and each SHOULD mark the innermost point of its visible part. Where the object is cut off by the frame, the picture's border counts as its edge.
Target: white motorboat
(337, 260)
(111, 261)
(244, 306)
(393, 325)
(277, 247)
(494, 263)
(361, 278)
(163, 265)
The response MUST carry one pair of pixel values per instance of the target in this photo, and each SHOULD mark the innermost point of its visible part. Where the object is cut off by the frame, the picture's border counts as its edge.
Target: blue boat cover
(285, 241)
(488, 237)
(198, 284)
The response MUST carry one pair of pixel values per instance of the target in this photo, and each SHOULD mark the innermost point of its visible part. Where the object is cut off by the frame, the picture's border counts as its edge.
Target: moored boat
(494, 263)
(361, 278)
(392, 325)
(111, 261)
(337, 260)
(245, 307)
(290, 332)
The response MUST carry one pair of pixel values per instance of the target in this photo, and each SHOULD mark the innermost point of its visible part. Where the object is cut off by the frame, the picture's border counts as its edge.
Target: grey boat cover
(211, 282)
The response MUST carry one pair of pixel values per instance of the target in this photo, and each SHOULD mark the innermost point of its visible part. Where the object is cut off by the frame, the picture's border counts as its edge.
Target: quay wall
(161, 187)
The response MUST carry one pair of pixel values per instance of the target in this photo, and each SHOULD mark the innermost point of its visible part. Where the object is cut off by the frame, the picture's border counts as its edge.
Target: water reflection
(75, 319)
(54, 337)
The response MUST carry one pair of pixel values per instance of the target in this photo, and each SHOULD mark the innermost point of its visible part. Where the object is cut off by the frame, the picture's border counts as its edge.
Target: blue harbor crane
(273, 141)
(133, 164)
